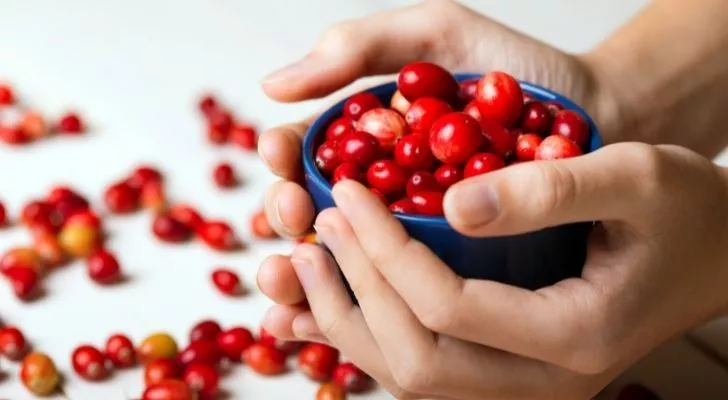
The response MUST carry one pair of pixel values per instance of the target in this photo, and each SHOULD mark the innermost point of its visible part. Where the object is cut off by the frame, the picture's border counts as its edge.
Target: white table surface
(135, 69)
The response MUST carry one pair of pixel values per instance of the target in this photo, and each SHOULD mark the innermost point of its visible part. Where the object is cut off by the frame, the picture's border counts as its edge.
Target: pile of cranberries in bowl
(438, 131)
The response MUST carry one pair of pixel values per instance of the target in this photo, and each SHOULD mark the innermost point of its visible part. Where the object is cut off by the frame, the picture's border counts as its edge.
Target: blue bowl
(531, 260)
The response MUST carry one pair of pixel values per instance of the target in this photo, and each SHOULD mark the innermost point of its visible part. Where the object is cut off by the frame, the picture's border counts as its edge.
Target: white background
(135, 70)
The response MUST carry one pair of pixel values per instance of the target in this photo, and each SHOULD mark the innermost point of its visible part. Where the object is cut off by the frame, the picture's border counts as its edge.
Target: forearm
(663, 77)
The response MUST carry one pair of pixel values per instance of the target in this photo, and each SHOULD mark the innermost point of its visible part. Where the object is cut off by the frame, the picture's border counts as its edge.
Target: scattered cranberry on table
(103, 267)
(227, 281)
(157, 346)
(200, 352)
(7, 96)
(39, 374)
(169, 389)
(265, 360)
(3, 215)
(218, 235)
(318, 361)
(224, 176)
(187, 215)
(121, 198)
(70, 123)
(234, 341)
(160, 370)
(330, 391)
(205, 330)
(12, 343)
(350, 378)
(168, 229)
(203, 379)
(287, 347)
(89, 363)
(120, 351)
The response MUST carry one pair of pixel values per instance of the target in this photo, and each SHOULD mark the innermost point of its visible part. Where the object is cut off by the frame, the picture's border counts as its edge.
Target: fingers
(277, 280)
(280, 149)
(289, 208)
(279, 321)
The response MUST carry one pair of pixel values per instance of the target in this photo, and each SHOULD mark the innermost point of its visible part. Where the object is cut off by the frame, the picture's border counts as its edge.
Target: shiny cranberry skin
(234, 341)
(186, 215)
(38, 212)
(25, 257)
(218, 128)
(347, 170)
(455, 137)
(349, 377)
(12, 343)
(636, 391)
(226, 281)
(200, 352)
(317, 361)
(89, 363)
(554, 107)
(143, 175)
(7, 97)
(169, 389)
(288, 347)
(467, 90)
(473, 110)
(69, 206)
(386, 125)
(499, 97)
(399, 103)
(571, 125)
(103, 267)
(557, 147)
(205, 330)
(526, 146)
(327, 158)
(422, 182)
(423, 79)
(168, 229)
(339, 128)
(13, 135)
(207, 104)
(499, 140)
(413, 153)
(224, 176)
(448, 175)
(202, 379)
(482, 163)
(85, 218)
(120, 351)
(70, 123)
(160, 370)
(3, 215)
(387, 176)
(265, 360)
(403, 206)
(428, 203)
(59, 193)
(121, 198)
(218, 235)
(358, 147)
(536, 117)
(360, 103)
(330, 391)
(245, 136)
(24, 281)
(424, 112)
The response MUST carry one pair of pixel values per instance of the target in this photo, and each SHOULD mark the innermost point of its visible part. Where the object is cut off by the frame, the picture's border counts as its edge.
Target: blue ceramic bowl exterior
(532, 260)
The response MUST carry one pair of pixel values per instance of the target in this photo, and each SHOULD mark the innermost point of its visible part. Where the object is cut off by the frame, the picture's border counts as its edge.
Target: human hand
(654, 269)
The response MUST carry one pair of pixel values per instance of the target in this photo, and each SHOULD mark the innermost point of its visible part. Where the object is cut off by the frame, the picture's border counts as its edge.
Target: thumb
(609, 184)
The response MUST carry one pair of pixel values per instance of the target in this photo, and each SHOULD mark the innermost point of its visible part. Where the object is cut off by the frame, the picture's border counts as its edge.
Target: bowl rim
(319, 126)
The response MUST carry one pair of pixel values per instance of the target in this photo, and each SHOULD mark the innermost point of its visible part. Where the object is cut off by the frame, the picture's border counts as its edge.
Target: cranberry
(557, 147)
(224, 175)
(327, 158)
(24, 281)
(422, 182)
(207, 104)
(68, 206)
(260, 226)
(339, 128)
(158, 346)
(103, 267)
(526, 146)
(38, 212)
(70, 123)
(554, 107)
(387, 176)
(186, 215)
(386, 125)
(12, 343)
(89, 363)
(482, 163)
(7, 97)
(39, 374)
(79, 240)
(227, 281)
(84, 218)
(448, 175)
(403, 206)
(571, 125)
(161, 370)
(358, 147)
(424, 112)
(473, 110)
(330, 391)
(121, 198)
(244, 136)
(467, 90)
(218, 235)
(423, 79)
(13, 135)
(3, 215)
(349, 377)
(169, 389)
(265, 360)
(168, 229)
(347, 170)
(33, 125)
(143, 175)
(317, 361)
(455, 137)
(202, 379)
(288, 347)
(360, 103)
(205, 330)
(218, 126)
(25, 257)
(234, 341)
(49, 249)
(499, 97)
(120, 351)
(635, 391)
(428, 203)
(527, 98)
(152, 197)
(413, 152)
(58, 193)
(399, 103)
(499, 140)
(536, 117)
(200, 351)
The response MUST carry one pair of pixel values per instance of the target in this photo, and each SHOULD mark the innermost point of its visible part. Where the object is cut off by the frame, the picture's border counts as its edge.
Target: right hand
(439, 31)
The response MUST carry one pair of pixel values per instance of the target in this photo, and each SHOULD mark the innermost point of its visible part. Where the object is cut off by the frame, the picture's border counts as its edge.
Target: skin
(426, 333)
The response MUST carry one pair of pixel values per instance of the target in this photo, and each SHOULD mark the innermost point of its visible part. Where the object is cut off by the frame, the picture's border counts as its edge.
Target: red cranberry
(499, 97)
(218, 128)
(58, 193)
(89, 363)
(330, 391)
(85, 218)
(234, 341)
(403, 206)
(70, 123)
(265, 360)
(207, 104)
(358, 147)
(7, 97)
(499, 140)
(143, 175)
(423, 79)
(170, 389)
(413, 152)
(571, 125)
(186, 215)
(33, 125)
(536, 117)
(161, 370)
(467, 90)
(24, 281)
(245, 136)
(26, 257)
(399, 103)
(455, 137)
(288, 347)
(422, 182)
(339, 128)
(527, 98)
(13, 135)
(200, 352)
(120, 351)
(205, 330)
(327, 158)
(317, 361)
(387, 177)
(202, 379)
(152, 197)
(448, 175)
(38, 212)
(168, 229)
(554, 107)
(347, 170)
(557, 147)
(69, 206)
(526, 146)
(260, 227)
(224, 176)
(12, 343)
(349, 377)
(39, 374)
(386, 125)
(424, 112)
(482, 163)
(227, 281)
(103, 267)
(121, 198)
(3, 215)
(428, 203)
(360, 103)
(218, 235)
(473, 110)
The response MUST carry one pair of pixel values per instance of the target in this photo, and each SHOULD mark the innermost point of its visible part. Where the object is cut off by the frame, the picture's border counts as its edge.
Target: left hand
(652, 272)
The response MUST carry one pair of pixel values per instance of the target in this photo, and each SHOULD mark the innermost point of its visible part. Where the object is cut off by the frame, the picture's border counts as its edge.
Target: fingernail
(473, 204)
(279, 219)
(294, 70)
(327, 236)
(304, 272)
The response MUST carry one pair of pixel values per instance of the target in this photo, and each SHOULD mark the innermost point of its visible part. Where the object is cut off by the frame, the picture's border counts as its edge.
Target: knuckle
(413, 376)
(439, 319)
(650, 166)
(591, 344)
(331, 325)
(560, 188)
